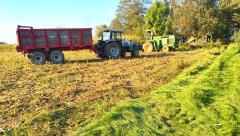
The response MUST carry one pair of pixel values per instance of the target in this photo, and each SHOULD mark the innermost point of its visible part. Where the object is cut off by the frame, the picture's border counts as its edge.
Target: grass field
(87, 95)
(203, 100)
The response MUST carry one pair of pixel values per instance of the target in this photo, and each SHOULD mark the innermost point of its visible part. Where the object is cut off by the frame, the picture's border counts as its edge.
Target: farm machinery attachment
(155, 42)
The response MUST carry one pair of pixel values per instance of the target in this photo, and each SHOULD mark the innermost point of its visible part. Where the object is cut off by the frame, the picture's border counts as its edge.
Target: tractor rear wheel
(148, 47)
(56, 57)
(135, 51)
(165, 49)
(37, 57)
(112, 50)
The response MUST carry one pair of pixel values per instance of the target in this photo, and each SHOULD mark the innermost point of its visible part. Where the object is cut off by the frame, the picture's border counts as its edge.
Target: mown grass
(203, 100)
(60, 99)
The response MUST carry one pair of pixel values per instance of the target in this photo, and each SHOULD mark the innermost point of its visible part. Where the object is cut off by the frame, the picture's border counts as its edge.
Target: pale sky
(52, 14)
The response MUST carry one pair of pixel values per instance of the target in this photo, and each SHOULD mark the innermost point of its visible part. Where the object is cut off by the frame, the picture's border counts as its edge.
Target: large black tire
(56, 57)
(112, 50)
(37, 57)
(135, 51)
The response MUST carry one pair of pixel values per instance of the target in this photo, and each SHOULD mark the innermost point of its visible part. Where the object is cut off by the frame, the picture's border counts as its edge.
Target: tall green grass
(204, 100)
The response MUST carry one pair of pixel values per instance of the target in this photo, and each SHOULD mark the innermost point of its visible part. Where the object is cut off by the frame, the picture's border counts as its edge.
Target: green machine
(156, 42)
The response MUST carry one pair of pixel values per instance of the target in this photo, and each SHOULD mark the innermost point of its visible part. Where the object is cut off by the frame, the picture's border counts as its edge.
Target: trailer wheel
(112, 50)
(165, 49)
(148, 47)
(135, 51)
(56, 57)
(37, 57)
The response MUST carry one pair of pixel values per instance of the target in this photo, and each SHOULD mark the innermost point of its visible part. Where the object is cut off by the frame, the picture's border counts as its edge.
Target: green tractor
(156, 42)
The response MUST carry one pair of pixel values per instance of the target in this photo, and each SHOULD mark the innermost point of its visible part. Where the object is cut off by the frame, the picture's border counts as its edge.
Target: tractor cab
(149, 34)
(112, 35)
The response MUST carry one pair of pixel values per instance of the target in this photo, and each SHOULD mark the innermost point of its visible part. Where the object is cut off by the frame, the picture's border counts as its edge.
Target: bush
(237, 37)
(212, 44)
(134, 38)
(3, 42)
(223, 48)
(215, 51)
(185, 46)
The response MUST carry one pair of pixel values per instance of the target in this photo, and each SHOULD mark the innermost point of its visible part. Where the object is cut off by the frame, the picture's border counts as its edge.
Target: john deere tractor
(155, 42)
(112, 46)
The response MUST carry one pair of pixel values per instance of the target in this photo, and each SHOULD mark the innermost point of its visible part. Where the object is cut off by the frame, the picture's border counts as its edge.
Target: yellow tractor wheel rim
(148, 47)
(165, 49)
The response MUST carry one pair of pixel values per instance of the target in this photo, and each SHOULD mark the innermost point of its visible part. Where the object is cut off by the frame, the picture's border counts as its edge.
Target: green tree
(99, 30)
(159, 15)
(237, 37)
(236, 18)
(130, 17)
(228, 19)
(194, 18)
(116, 24)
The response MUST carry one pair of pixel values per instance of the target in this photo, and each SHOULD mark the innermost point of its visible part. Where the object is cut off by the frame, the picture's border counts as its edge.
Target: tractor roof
(110, 30)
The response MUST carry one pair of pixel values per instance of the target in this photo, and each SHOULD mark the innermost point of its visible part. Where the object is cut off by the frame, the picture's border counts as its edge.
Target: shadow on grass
(123, 58)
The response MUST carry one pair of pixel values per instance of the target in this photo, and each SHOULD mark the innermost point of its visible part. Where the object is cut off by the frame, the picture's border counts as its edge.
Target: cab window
(106, 36)
(116, 35)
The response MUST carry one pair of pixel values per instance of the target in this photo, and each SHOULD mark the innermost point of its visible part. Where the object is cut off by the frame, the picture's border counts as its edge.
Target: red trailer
(48, 44)
(44, 44)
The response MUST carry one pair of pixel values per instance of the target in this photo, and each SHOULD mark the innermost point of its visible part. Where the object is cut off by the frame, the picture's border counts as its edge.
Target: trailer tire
(37, 57)
(165, 49)
(56, 57)
(112, 50)
(135, 51)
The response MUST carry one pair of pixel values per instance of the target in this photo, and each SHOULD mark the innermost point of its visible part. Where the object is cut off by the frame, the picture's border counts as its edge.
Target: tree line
(2, 42)
(218, 19)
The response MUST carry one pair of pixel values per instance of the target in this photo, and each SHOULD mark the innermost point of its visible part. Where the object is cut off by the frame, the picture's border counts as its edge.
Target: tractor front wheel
(112, 50)
(165, 49)
(135, 51)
